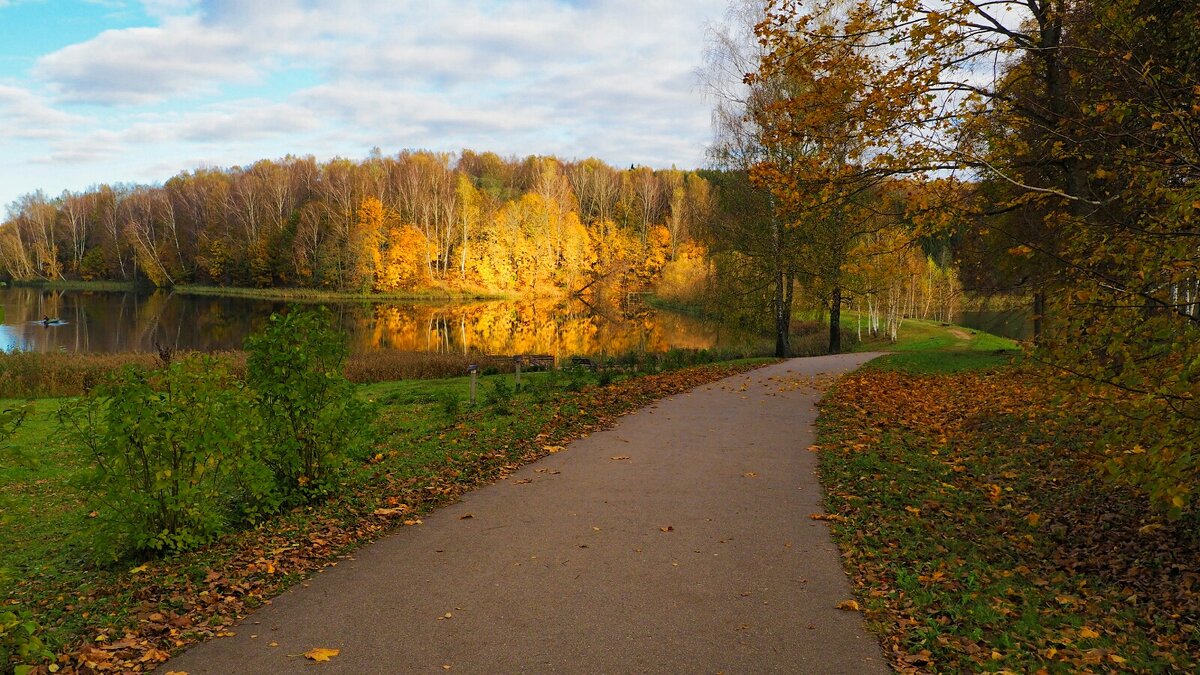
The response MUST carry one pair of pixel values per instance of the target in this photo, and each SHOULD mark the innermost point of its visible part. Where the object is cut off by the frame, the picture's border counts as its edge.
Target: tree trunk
(783, 318)
(1039, 310)
(835, 321)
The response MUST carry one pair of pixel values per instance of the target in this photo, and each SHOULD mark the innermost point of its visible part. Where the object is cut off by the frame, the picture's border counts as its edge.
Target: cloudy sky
(98, 91)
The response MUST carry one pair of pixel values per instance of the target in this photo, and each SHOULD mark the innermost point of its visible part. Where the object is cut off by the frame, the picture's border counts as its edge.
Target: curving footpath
(678, 541)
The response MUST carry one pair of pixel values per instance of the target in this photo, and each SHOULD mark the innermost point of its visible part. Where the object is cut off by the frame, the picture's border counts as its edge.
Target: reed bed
(53, 374)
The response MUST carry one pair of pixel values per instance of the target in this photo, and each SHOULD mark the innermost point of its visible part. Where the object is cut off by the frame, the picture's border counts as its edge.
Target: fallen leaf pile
(132, 620)
(981, 537)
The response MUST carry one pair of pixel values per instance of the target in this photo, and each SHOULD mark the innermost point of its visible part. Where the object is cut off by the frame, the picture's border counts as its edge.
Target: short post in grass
(517, 375)
(473, 369)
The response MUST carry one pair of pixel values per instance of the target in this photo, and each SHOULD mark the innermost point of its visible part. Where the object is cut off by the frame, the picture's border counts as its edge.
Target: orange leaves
(321, 654)
(849, 605)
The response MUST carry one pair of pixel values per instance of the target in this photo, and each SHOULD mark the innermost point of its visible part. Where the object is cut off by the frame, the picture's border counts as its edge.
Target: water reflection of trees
(122, 322)
(527, 327)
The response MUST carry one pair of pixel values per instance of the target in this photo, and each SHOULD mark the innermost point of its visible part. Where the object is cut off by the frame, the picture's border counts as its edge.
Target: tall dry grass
(44, 375)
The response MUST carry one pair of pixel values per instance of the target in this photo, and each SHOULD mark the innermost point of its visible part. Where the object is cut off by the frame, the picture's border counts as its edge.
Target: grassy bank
(60, 285)
(977, 531)
(427, 447)
(322, 295)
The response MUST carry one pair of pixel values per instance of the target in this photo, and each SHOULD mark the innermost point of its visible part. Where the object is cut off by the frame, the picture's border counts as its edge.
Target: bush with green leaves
(171, 454)
(311, 418)
(500, 397)
(20, 646)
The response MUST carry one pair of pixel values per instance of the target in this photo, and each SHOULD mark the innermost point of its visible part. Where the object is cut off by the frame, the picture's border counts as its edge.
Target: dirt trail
(678, 541)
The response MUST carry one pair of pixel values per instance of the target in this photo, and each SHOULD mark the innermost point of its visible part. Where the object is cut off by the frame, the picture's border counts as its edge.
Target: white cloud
(25, 116)
(146, 65)
(233, 81)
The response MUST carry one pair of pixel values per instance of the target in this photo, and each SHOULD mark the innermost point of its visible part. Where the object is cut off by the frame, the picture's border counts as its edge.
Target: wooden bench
(583, 362)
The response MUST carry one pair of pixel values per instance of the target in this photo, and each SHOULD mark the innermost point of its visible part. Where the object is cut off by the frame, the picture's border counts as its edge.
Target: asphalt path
(679, 541)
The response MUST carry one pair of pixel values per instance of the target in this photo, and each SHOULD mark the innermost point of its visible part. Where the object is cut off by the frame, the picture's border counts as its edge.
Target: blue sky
(107, 91)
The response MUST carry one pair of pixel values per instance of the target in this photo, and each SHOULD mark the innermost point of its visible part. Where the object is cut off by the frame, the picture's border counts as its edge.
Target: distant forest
(417, 220)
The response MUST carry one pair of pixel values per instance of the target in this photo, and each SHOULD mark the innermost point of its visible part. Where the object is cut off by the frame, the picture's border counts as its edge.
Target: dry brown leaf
(321, 653)
(749, 474)
(619, 457)
(848, 605)
(669, 528)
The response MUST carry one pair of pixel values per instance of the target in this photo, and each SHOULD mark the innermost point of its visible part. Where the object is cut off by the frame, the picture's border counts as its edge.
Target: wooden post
(473, 370)
(517, 376)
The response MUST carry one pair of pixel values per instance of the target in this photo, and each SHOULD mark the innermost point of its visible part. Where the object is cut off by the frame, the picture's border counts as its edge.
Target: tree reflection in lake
(101, 322)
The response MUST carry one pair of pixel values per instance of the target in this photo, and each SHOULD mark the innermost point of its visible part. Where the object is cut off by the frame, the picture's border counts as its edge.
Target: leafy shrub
(309, 412)
(451, 403)
(20, 645)
(172, 461)
(500, 397)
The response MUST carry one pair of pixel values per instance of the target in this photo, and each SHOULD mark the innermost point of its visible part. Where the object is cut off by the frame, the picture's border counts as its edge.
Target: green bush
(500, 397)
(20, 646)
(310, 415)
(171, 454)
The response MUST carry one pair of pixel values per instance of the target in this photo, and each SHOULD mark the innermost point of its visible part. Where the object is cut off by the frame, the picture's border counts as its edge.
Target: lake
(105, 321)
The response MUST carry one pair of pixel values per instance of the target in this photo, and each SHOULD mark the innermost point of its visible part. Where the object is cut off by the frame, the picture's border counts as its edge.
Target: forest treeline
(398, 223)
(419, 221)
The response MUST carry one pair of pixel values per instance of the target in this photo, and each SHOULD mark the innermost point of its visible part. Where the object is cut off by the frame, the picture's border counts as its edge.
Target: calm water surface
(98, 322)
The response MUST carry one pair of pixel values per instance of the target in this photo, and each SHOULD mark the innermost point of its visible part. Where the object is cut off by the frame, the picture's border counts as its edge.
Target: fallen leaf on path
(524, 481)
(552, 448)
(139, 569)
(832, 517)
(391, 511)
(321, 653)
(465, 516)
(669, 528)
(848, 605)
(749, 474)
(619, 457)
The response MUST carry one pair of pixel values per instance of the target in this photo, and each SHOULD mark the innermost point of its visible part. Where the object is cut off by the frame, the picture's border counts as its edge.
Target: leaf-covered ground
(132, 617)
(980, 539)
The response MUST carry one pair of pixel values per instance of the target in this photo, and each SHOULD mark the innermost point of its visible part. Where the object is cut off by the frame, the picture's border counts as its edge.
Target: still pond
(106, 321)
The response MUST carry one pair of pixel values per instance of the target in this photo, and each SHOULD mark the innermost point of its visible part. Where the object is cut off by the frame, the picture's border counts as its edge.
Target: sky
(128, 91)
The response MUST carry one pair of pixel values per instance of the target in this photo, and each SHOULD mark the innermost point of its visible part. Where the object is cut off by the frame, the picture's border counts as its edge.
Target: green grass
(981, 538)
(77, 285)
(935, 347)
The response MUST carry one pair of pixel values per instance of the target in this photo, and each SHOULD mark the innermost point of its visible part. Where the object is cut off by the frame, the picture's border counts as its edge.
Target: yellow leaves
(849, 605)
(1150, 529)
(1033, 519)
(1088, 633)
(831, 517)
(750, 474)
(668, 528)
(552, 448)
(321, 654)
(913, 510)
(139, 569)
(992, 492)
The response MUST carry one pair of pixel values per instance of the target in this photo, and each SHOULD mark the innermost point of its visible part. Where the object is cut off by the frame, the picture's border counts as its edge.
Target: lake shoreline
(269, 293)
